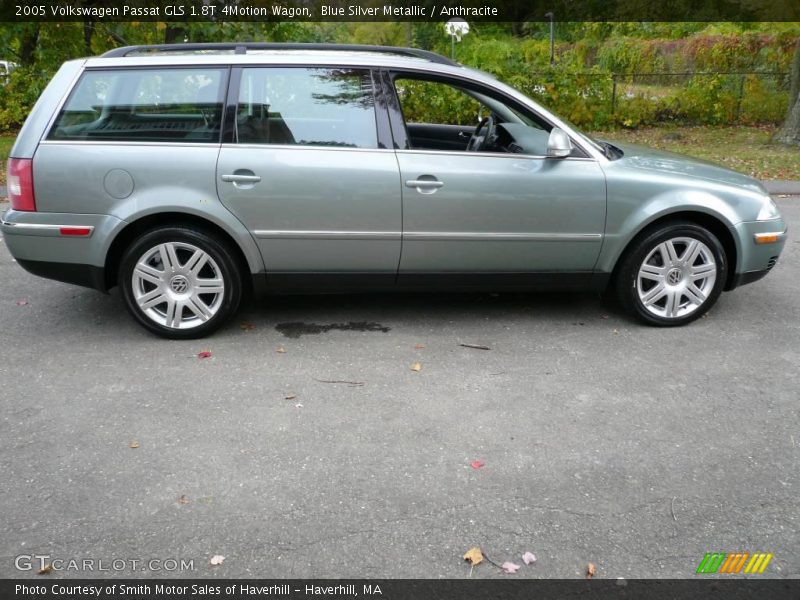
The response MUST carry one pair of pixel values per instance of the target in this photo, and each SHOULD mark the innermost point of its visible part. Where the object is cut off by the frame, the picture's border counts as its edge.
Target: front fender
(627, 218)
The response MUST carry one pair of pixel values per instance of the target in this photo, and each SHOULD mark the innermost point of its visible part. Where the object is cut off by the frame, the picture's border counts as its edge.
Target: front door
(306, 174)
(500, 207)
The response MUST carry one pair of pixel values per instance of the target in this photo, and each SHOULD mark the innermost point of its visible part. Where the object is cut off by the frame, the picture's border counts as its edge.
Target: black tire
(221, 263)
(627, 277)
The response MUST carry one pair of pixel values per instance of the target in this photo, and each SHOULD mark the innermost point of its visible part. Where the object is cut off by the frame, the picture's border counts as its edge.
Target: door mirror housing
(558, 144)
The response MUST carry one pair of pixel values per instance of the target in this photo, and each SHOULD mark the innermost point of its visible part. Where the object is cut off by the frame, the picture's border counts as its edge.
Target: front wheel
(673, 275)
(180, 283)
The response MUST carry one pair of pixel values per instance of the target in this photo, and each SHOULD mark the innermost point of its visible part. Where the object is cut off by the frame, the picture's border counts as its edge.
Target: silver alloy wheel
(676, 277)
(178, 285)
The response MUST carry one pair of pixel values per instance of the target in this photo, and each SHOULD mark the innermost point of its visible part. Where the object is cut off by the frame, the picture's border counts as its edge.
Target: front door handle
(234, 178)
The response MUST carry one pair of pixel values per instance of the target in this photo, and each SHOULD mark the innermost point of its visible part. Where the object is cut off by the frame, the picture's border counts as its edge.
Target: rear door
(307, 175)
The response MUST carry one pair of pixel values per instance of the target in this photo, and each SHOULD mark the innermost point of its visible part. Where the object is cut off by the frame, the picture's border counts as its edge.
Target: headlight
(769, 210)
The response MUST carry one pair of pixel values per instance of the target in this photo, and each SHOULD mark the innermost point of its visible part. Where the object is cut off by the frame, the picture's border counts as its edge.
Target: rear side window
(309, 107)
(144, 105)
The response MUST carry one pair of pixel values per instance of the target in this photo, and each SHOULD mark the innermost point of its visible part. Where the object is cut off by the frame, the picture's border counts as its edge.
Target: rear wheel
(673, 275)
(180, 283)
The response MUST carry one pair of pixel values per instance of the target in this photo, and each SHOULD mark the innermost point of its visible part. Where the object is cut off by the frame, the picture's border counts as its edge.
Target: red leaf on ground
(22, 302)
(204, 354)
(477, 464)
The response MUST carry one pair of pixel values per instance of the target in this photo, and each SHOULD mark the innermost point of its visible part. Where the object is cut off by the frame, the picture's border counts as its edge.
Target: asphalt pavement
(306, 445)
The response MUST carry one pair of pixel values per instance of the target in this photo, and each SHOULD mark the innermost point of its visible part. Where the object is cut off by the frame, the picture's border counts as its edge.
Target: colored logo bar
(734, 562)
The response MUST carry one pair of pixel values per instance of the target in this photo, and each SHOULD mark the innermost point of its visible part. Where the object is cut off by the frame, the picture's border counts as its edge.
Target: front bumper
(760, 244)
(62, 246)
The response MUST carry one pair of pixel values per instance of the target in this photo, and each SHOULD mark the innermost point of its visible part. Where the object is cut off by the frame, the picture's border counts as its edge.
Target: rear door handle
(241, 178)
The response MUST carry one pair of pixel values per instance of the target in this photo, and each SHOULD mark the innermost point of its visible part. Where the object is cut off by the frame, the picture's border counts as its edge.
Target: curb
(784, 187)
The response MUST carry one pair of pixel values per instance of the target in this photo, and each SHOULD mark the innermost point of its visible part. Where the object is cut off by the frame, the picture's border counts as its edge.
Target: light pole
(456, 28)
(551, 16)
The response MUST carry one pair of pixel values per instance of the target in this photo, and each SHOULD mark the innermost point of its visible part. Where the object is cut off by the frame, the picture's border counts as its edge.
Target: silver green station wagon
(193, 175)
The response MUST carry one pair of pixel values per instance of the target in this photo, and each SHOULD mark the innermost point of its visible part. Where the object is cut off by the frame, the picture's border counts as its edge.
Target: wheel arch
(145, 223)
(716, 224)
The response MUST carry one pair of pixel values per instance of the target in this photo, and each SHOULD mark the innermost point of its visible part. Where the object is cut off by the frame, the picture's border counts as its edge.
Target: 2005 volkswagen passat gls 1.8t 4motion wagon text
(190, 175)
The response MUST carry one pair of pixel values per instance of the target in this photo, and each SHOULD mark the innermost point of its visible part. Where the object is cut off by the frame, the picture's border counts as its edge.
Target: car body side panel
(129, 181)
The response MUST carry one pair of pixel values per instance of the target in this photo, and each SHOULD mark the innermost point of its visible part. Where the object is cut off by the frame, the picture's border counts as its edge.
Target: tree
(789, 133)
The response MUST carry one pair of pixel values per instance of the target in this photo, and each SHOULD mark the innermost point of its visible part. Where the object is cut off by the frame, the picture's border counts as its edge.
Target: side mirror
(558, 144)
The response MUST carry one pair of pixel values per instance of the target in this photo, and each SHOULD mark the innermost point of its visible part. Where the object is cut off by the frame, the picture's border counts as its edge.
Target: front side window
(308, 107)
(144, 105)
(440, 115)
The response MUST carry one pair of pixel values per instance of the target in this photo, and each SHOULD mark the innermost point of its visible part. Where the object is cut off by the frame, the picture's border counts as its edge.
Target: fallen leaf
(183, 500)
(416, 367)
(134, 444)
(22, 302)
(247, 326)
(204, 354)
(298, 405)
(290, 396)
(280, 350)
(217, 560)
(477, 464)
(474, 556)
(419, 346)
(591, 570)
(529, 558)
(509, 567)
(45, 570)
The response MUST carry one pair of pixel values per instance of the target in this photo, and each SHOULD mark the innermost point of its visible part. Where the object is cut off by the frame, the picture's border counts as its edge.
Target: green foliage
(590, 57)
(16, 99)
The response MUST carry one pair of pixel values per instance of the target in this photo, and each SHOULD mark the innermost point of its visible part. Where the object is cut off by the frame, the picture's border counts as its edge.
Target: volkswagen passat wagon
(191, 175)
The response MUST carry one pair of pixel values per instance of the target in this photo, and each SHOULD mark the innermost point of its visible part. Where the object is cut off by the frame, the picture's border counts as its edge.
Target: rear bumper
(61, 246)
(83, 275)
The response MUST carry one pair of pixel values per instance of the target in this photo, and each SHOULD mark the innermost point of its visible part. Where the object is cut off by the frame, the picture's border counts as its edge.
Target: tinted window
(144, 105)
(311, 107)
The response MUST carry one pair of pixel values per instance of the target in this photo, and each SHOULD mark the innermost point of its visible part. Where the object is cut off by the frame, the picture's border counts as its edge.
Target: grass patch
(6, 141)
(744, 149)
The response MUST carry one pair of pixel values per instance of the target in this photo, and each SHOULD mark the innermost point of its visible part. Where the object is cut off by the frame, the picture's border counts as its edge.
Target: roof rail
(243, 47)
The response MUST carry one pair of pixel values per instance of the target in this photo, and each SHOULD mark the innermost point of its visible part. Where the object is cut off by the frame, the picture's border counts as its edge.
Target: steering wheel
(478, 142)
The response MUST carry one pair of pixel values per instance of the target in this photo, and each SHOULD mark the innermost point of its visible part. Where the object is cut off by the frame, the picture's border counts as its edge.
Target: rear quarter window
(144, 105)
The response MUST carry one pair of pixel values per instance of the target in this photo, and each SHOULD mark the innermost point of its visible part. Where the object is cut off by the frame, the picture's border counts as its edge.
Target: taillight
(20, 184)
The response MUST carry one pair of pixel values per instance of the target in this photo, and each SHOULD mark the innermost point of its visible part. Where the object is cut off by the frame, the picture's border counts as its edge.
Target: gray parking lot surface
(602, 440)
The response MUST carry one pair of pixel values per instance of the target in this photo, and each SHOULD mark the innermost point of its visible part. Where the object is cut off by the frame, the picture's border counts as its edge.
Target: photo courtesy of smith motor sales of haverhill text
(371, 299)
